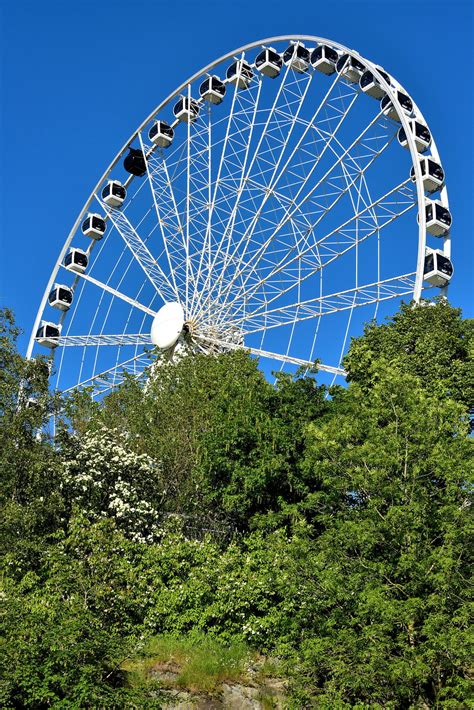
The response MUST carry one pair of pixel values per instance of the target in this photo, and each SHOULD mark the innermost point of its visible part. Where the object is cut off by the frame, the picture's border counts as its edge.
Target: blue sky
(77, 78)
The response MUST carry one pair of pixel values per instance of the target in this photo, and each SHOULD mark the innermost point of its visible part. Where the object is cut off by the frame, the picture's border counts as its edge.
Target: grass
(198, 663)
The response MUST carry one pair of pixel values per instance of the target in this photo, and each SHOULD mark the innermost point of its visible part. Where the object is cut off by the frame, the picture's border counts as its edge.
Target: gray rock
(240, 697)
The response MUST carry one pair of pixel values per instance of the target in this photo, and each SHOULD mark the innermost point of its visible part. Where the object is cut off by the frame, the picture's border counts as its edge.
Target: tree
(385, 613)
(30, 506)
(429, 341)
(66, 630)
(228, 441)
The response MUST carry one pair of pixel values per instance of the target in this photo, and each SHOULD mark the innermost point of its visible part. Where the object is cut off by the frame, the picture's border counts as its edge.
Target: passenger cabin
(212, 89)
(186, 109)
(438, 218)
(438, 268)
(297, 57)
(388, 109)
(421, 134)
(161, 134)
(240, 74)
(350, 68)
(76, 260)
(324, 59)
(432, 174)
(269, 62)
(371, 86)
(60, 297)
(114, 193)
(93, 226)
(135, 162)
(48, 334)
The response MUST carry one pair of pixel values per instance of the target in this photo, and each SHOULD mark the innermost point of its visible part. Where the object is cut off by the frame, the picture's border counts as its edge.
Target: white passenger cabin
(388, 108)
(114, 193)
(48, 334)
(76, 260)
(350, 68)
(438, 269)
(93, 226)
(240, 74)
(371, 86)
(438, 218)
(432, 174)
(161, 134)
(60, 297)
(324, 59)
(269, 62)
(212, 90)
(186, 109)
(297, 57)
(421, 134)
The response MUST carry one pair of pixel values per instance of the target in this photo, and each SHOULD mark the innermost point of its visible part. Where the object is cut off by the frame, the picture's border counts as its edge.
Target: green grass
(201, 663)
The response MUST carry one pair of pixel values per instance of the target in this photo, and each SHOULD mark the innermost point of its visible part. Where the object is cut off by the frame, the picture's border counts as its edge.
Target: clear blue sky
(78, 77)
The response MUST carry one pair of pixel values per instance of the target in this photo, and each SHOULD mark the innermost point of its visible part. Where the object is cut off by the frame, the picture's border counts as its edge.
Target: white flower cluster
(108, 479)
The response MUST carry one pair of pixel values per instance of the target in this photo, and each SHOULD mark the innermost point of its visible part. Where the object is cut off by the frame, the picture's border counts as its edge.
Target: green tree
(430, 341)
(383, 589)
(30, 506)
(66, 629)
(229, 443)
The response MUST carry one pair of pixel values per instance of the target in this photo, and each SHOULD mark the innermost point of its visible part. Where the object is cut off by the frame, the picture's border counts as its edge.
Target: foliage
(30, 508)
(229, 443)
(103, 478)
(67, 629)
(386, 578)
(430, 341)
(347, 523)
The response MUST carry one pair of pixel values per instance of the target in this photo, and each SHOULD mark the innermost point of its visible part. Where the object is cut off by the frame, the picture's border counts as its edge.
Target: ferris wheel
(268, 203)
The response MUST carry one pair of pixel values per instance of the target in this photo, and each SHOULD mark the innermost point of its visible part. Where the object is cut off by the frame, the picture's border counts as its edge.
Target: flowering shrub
(104, 478)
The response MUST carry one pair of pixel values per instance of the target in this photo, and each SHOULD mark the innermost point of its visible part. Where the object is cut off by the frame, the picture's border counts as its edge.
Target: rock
(240, 697)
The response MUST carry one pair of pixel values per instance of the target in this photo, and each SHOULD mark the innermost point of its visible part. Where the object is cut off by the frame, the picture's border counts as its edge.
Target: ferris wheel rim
(391, 91)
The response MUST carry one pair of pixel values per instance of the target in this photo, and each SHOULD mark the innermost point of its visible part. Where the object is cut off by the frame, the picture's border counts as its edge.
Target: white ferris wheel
(267, 203)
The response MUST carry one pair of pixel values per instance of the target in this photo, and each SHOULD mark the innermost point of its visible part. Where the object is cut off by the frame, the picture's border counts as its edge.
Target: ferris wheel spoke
(104, 381)
(105, 319)
(159, 216)
(297, 206)
(247, 238)
(258, 352)
(141, 253)
(230, 174)
(165, 194)
(92, 340)
(221, 162)
(332, 250)
(228, 229)
(294, 254)
(319, 306)
(128, 326)
(287, 359)
(228, 225)
(109, 289)
(276, 174)
(360, 172)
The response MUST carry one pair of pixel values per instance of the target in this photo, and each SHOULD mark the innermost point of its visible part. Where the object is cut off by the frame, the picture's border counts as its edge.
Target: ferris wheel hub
(167, 325)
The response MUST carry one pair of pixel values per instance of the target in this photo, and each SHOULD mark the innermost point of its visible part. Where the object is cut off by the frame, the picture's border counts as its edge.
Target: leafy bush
(351, 513)
(103, 478)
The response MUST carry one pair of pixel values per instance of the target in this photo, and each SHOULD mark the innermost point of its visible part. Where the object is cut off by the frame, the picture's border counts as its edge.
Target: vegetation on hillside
(328, 530)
